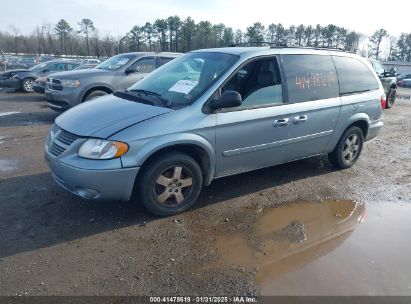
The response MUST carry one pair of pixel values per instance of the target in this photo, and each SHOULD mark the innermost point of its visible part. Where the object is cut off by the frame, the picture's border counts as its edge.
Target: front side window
(56, 67)
(310, 77)
(354, 76)
(115, 62)
(258, 83)
(144, 65)
(186, 78)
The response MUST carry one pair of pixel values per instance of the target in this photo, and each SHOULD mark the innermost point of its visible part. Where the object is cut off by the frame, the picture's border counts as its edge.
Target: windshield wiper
(147, 92)
(165, 101)
(132, 97)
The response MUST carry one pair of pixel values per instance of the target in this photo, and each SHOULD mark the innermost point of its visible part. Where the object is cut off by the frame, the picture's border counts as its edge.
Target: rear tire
(348, 149)
(169, 184)
(94, 94)
(391, 98)
(27, 85)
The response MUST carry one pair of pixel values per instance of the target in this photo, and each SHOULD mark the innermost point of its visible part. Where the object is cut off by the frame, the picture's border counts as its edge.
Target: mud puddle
(325, 248)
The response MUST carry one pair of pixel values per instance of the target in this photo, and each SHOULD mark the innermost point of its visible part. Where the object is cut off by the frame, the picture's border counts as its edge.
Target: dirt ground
(301, 228)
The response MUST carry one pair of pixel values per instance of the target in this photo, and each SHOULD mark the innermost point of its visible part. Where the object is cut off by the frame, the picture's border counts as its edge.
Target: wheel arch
(360, 120)
(104, 88)
(195, 146)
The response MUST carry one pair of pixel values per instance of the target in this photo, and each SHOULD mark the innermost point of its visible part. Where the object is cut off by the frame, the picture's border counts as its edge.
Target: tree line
(176, 35)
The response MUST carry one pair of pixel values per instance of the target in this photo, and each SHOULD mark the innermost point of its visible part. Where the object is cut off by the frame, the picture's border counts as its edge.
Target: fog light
(88, 193)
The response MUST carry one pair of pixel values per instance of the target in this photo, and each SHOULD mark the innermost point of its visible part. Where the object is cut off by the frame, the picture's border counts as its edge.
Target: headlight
(15, 76)
(70, 83)
(95, 148)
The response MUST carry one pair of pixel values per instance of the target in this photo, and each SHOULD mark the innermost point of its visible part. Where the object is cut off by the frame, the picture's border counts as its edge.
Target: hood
(105, 116)
(81, 73)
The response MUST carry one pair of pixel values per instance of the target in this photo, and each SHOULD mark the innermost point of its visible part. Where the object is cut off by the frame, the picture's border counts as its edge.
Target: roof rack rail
(283, 45)
(317, 48)
(259, 43)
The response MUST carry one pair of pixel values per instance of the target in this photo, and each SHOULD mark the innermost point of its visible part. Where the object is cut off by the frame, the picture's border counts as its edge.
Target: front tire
(391, 98)
(27, 85)
(170, 184)
(348, 149)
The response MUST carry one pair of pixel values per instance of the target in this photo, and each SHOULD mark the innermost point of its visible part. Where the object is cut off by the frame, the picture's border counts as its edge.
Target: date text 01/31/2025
(203, 299)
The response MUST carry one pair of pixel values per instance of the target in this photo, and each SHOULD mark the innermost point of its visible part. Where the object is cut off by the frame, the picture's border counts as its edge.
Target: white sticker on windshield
(183, 86)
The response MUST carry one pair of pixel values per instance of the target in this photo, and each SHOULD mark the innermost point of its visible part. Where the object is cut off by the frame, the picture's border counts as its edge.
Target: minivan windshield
(181, 81)
(115, 62)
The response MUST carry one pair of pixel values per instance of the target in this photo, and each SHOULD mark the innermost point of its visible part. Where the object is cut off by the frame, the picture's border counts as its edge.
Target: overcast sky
(118, 16)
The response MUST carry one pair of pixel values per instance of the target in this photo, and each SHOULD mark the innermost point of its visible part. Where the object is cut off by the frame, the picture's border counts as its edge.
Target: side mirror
(229, 99)
(45, 70)
(131, 69)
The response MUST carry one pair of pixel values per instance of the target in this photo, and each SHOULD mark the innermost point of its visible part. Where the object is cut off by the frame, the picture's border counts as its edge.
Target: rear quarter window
(354, 76)
(310, 77)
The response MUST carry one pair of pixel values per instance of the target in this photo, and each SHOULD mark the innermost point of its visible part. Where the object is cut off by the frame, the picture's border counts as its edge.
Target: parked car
(403, 76)
(39, 85)
(405, 83)
(213, 113)
(67, 89)
(23, 79)
(91, 61)
(388, 80)
(86, 66)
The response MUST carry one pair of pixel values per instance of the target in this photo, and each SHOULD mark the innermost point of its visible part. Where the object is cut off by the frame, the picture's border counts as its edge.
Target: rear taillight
(383, 102)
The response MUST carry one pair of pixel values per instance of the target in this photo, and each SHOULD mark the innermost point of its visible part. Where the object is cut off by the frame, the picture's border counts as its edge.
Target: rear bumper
(374, 128)
(113, 184)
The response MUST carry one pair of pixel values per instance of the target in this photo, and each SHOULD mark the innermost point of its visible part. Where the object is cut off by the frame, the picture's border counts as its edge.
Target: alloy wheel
(173, 185)
(28, 85)
(351, 147)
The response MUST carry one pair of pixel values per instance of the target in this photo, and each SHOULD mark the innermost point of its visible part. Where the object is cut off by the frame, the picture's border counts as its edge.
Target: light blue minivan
(213, 113)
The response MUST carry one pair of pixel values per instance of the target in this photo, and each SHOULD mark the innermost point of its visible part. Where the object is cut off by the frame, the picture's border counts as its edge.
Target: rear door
(313, 105)
(271, 128)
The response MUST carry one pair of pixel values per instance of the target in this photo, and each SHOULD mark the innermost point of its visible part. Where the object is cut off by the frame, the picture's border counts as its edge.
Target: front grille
(66, 137)
(56, 150)
(61, 141)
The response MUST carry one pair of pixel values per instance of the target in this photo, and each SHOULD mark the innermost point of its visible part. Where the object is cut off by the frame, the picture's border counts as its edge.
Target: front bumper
(39, 88)
(62, 100)
(373, 129)
(98, 184)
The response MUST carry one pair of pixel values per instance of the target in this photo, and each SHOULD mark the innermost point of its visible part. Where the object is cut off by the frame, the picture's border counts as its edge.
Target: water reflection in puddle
(289, 237)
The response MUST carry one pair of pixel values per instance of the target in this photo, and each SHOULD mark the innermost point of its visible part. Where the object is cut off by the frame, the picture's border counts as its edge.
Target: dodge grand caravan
(213, 113)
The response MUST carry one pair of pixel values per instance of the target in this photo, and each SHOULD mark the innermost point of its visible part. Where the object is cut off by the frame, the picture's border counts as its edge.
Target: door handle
(299, 119)
(283, 122)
